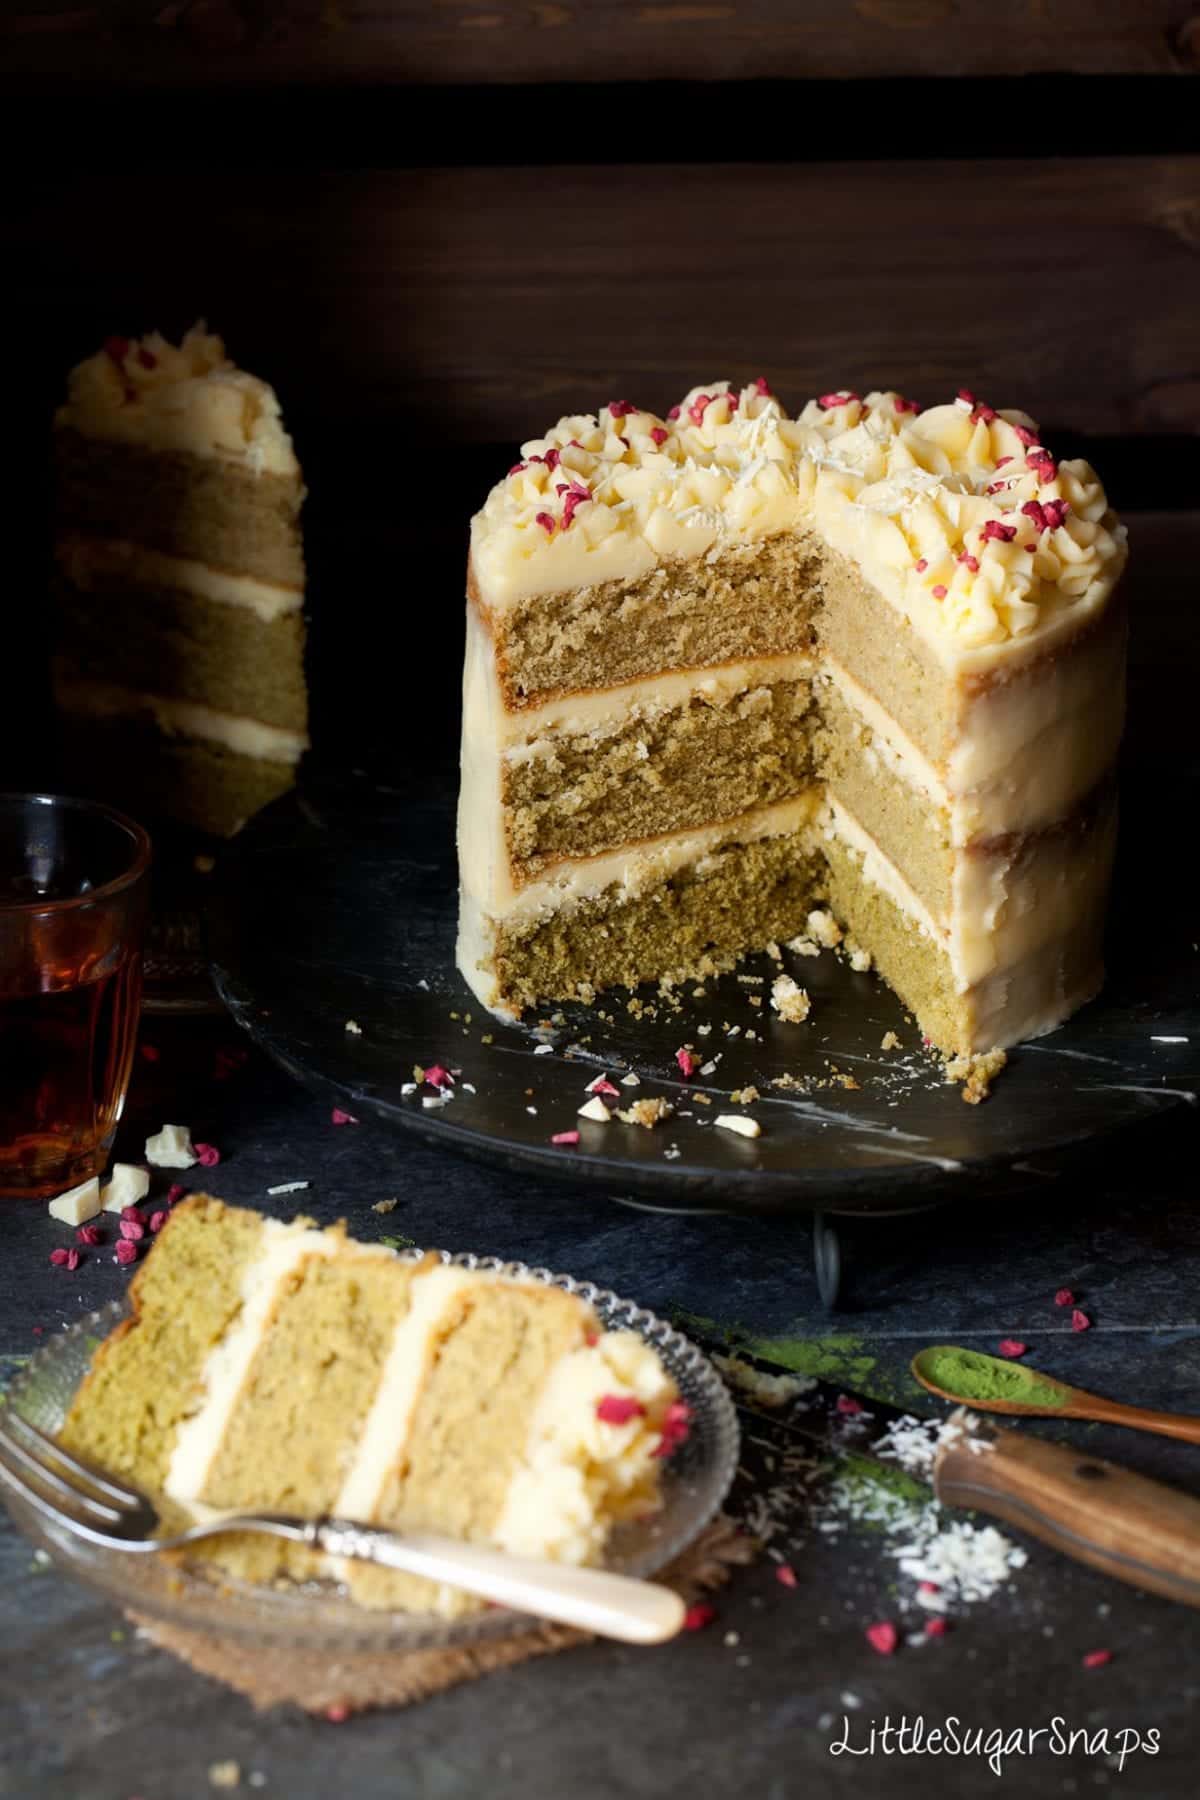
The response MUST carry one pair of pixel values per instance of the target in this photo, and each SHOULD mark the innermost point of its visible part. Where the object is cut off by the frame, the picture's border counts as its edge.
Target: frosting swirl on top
(958, 512)
(187, 396)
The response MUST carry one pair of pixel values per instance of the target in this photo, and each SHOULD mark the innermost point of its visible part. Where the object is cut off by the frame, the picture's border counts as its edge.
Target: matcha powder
(971, 1376)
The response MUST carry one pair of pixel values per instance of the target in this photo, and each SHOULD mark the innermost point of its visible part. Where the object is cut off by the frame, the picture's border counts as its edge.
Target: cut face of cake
(728, 665)
(179, 672)
(288, 1369)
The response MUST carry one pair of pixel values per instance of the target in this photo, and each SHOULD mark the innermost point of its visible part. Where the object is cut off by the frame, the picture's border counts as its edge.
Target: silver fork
(92, 1504)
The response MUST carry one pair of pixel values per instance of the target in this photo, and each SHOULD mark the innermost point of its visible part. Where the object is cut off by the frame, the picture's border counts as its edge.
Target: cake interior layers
(669, 754)
(291, 1369)
(204, 768)
(687, 908)
(961, 828)
(153, 623)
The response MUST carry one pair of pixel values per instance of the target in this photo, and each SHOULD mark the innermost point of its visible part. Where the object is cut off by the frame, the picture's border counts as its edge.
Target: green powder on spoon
(970, 1375)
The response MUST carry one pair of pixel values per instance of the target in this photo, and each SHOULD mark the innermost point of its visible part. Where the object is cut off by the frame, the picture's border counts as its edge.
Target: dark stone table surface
(751, 1706)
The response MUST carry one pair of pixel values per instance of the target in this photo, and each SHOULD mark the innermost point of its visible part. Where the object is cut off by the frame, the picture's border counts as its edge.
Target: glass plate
(696, 1480)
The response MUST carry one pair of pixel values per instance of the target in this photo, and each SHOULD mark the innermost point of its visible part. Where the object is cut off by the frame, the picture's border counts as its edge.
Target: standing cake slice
(179, 669)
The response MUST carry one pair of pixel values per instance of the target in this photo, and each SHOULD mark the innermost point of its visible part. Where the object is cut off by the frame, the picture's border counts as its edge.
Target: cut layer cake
(728, 665)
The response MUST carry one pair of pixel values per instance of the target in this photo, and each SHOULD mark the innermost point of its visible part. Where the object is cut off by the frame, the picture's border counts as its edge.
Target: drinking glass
(74, 880)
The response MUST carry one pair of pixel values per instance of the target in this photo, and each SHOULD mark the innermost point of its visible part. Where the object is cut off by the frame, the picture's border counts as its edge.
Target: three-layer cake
(728, 664)
(179, 670)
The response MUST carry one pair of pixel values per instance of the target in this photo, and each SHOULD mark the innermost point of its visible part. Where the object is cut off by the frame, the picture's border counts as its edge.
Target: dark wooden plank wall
(435, 226)
(239, 41)
(479, 304)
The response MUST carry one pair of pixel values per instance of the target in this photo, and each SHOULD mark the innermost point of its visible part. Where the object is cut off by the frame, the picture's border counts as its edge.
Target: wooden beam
(191, 43)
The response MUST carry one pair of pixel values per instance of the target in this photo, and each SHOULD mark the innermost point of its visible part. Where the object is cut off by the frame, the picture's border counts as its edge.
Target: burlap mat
(320, 1681)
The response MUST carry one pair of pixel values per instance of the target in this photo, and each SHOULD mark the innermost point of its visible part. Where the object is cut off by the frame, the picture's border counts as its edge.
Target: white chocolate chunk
(128, 1184)
(171, 1148)
(78, 1204)
(738, 1122)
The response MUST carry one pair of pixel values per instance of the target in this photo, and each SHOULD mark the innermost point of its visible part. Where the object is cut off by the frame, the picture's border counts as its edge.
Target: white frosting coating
(578, 1475)
(84, 561)
(189, 397)
(264, 1281)
(181, 718)
(957, 514)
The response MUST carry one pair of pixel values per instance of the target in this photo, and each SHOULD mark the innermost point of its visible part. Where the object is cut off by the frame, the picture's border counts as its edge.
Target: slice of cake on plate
(726, 666)
(179, 671)
(283, 1368)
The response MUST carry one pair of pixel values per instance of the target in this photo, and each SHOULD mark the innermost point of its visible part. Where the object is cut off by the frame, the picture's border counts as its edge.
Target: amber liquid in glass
(65, 1057)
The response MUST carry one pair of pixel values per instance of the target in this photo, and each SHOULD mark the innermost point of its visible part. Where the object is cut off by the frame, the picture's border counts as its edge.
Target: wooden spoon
(1075, 1404)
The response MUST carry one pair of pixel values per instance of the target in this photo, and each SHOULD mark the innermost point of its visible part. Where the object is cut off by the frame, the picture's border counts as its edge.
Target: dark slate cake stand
(338, 903)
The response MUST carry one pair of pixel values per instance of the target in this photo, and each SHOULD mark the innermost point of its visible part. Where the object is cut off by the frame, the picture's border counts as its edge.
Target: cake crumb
(385, 1206)
(790, 1000)
(225, 1774)
(646, 1112)
(803, 946)
(701, 1100)
(744, 1096)
(203, 863)
(353, 1028)
(889, 1041)
(739, 1123)
(825, 929)
(860, 959)
(774, 952)
(976, 1073)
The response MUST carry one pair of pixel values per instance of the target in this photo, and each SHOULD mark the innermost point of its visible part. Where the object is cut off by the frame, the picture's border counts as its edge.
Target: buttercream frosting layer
(527, 733)
(180, 718)
(91, 563)
(186, 397)
(957, 513)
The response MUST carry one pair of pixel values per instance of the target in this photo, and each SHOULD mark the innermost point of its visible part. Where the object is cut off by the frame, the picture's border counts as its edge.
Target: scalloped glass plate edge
(695, 1483)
